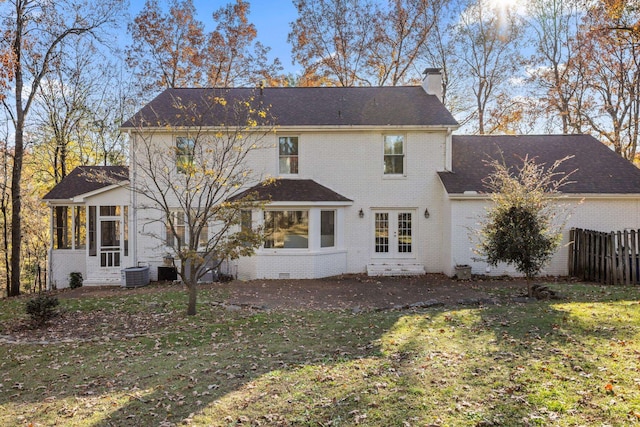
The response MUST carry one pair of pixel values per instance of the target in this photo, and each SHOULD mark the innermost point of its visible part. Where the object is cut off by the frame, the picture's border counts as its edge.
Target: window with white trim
(327, 229)
(394, 155)
(286, 229)
(184, 153)
(177, 231)
(288, 155)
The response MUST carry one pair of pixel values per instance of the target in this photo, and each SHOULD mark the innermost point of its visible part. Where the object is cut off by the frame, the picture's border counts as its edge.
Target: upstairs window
(394, 155)
(288, 154)
(184, 153)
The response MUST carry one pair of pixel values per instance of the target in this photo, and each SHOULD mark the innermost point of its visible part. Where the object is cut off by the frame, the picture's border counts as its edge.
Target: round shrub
(75, 280)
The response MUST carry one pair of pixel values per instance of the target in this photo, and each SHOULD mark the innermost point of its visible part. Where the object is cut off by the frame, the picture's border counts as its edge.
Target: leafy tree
(187, 184)
(233, 57)
(166, 47)
(171, 49)
(611, 105)
(34, 31)
(523, 225)
(332, 38)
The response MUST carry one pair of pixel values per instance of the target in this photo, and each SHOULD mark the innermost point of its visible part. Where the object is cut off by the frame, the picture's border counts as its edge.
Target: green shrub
(75, 280)
(42, 308)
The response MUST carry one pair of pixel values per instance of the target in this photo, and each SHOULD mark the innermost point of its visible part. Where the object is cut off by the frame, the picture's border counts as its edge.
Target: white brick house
(376, 181)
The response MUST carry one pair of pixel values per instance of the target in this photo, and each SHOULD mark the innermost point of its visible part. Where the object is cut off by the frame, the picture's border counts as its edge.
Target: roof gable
(598, 170)
(299, 106)
(87, 179)
(292, 190)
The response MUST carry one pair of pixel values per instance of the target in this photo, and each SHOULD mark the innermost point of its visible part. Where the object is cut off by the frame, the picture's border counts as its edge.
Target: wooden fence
(610, 258)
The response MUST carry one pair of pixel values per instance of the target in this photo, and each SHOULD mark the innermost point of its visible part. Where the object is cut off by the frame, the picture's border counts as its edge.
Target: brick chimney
(432, 82)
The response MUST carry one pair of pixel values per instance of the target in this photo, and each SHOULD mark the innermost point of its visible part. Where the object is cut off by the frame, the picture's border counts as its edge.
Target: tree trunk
(16, 204)
(191, 309)
(16, 173)
(191, 282)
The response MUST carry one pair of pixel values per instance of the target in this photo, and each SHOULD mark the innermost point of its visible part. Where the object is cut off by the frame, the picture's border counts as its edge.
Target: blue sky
(271, 18)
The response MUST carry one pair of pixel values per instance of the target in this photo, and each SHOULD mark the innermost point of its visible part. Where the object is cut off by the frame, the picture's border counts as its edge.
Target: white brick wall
(592, 212)
(349, 162)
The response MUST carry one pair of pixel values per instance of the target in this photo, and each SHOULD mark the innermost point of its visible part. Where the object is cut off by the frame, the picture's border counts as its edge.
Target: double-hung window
(394, 155)
(177, 230)
(184, 153)
(288, 154)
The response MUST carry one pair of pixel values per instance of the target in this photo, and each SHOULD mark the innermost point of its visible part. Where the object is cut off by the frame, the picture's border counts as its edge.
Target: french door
(393, 234)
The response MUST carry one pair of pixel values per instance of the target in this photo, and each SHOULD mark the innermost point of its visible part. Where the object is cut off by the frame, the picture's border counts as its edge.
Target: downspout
(134, 200)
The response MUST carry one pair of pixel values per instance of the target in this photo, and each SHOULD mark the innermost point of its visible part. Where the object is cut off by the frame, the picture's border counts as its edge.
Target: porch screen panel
(79, 227)
(404, 232)
(62, 227)
(382, 232)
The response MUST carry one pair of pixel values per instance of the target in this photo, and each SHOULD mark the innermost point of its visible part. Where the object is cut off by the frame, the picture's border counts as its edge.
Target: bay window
(286, 229)
(327, 229)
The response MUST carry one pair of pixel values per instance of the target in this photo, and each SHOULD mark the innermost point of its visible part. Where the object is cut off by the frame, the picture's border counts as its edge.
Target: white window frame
(284, 156)
(180, 153)
(287, 209)
(176, 212)
(404, 156)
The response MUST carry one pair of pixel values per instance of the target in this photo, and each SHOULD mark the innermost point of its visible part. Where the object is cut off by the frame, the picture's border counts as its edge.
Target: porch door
(393, 234)
(110, 242)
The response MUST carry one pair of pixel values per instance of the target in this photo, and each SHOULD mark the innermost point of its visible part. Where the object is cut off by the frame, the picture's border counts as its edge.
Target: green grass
(564, 363)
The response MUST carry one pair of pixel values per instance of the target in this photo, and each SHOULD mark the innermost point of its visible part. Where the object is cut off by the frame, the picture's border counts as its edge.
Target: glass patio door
(393, 234)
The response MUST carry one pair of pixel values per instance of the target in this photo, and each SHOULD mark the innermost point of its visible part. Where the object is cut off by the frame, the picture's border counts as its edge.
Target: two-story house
(367, 179)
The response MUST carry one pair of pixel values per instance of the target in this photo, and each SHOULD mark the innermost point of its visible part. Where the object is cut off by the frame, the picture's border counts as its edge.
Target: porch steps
(395, 269)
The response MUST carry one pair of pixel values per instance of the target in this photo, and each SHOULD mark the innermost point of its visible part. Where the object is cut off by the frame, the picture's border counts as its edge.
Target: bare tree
(487, 48)
(186, 184)
(401, 36)
(33, 32)
(556, 68)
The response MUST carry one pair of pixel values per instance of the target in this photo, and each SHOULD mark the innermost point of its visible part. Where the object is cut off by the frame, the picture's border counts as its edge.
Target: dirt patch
(340, 292)
(354, 292)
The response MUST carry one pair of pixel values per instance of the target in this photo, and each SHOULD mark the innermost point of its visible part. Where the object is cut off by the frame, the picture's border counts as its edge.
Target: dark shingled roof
(299, 106)
(85, 179)
(293, 190)
(598, 169)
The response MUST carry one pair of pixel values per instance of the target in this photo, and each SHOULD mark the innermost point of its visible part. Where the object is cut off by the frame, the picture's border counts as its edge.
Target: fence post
(572, 252)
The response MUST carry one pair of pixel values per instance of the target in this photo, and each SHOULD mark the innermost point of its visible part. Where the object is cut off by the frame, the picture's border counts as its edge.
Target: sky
(271, 18)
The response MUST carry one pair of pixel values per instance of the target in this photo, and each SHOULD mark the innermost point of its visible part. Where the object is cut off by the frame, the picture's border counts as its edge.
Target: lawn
(144, 363)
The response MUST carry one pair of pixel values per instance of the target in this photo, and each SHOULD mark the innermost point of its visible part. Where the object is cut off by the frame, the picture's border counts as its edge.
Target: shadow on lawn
(297, 368)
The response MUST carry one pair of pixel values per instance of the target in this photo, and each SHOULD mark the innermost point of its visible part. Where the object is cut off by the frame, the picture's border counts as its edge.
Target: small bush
(41, 309)
(75, 280)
